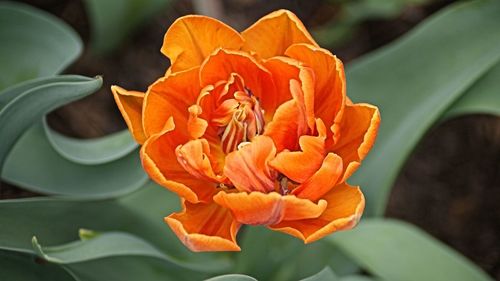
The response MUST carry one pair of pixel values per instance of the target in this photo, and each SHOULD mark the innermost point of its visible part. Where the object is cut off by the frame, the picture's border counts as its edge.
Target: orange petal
(344, 209)
(285, 70)
(330, 85)
(222, 64)
(247, 168)
(205, 227)
(257, 208)
(293, 118)
(171, 96)
(322, 180)
(160, 162)
(301, 165)
(357, 134)
(194, 156)
(130, 105)
(190, 39)
(271, 35)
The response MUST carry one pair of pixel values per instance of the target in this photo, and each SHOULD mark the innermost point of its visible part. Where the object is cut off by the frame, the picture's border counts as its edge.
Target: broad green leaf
(30, 106)
(34, 165)
(113, 20)
(24, 267)
(232, 277)
(324, 275)
(482, 97)
(34, 44)
(110, 244)
(415, 80)
(28, 217)
(91, 151)
(395, 250)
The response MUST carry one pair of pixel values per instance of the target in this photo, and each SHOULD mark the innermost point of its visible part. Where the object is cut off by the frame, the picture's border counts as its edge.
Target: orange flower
(252, 128)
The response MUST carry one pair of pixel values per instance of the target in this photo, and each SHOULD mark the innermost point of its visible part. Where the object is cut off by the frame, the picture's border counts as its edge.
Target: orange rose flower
(251, 128)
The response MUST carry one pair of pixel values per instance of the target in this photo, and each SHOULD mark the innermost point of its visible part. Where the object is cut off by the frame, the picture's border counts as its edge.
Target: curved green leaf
(111, 244)
(482, 97)
(34, 44)
(324, 275)
(415, 80)
(18, 266)
(232, 277)
(91, 151)
(395, 250)
(28, 217)
(113, 20)
(35, 165)
(12, 92)
(30, 106)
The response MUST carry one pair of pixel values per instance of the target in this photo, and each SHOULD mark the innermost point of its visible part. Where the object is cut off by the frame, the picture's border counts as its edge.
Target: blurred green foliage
(445, 67)
(113, 20)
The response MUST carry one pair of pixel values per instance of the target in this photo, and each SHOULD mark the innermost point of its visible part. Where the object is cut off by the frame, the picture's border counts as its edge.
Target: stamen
(284, 185)
(246, 122)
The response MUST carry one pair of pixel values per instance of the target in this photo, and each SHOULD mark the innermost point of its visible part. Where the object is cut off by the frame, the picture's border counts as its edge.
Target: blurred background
(450, 186)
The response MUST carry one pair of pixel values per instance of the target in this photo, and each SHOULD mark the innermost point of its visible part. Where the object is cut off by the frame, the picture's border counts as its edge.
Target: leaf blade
(34, 44)
(414, 94)
(408, 253)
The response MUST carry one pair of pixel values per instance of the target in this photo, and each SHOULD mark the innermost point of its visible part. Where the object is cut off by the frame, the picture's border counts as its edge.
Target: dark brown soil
(450, 186)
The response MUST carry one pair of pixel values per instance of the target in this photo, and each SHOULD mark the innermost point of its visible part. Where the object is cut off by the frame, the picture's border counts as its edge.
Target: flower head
(252, 128)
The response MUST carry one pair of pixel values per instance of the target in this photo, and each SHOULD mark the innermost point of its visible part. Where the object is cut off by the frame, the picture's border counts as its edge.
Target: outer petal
(358, 131)
(170, 96)
(221, 64)
(345, 207)
(205, 227)
(271, 35)
(190, 39)
(130, 105)
(330, 85)
(258, 208)
(301, 165)
(248, 168)
(160, 162)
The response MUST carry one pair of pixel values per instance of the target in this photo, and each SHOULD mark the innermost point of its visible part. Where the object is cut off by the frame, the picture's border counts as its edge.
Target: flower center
(243, 120)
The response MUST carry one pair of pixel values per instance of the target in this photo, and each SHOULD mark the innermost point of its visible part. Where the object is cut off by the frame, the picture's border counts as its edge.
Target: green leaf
(113, 20)
(28, 217)
(91, 151)
(34, 165)
(34, 44)
(324, 275)
(395, 250)
(232, 277)
(482, 97)
(415, 80)
(12, 92)
(357, 278)
(18, 266)
(131, 268)
(110, 244)
(30, 106)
